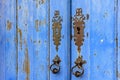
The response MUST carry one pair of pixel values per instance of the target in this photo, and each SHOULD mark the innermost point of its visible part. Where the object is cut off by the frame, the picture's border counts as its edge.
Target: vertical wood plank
(64, 47)
(32, 40)
(40, 39)
(8, 40)
(25, 35)
(102, 40)
(85, 48)
(11, 53)
(118, 35)
(2, 40)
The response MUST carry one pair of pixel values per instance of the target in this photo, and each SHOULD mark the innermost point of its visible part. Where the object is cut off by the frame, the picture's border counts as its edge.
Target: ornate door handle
(78, 69)
(79, 25)
(55, 67)
(56, 28)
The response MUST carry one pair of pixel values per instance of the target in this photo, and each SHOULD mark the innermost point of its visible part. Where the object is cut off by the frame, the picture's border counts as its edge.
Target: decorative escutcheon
(79, 25)
(78, 69)
(56, 27)
(55, 67)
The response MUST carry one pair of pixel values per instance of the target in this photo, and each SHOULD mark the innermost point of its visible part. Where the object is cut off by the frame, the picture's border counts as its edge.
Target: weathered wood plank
(85, 48)
(118, 41)
(102, 40)
(25, 35)
(11, 47)
(2, 40)
(32, 40)
(40, 39)
(8, 40)
(62, 7)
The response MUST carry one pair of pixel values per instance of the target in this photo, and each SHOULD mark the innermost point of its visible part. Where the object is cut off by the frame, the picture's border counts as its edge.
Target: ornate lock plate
(79, 25)
(57, 26)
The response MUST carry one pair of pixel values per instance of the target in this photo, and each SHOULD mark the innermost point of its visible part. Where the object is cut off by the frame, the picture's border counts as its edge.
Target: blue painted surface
(32, 40)
(85, 48)
(26, 41)
(118, 36)
(7, 40)
(102, 41)
(64, 48)
(2, 41)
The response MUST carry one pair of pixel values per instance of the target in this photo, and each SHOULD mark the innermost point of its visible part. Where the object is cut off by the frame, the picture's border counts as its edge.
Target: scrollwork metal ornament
(57, 26)
(55, 67)
(78, 64)
(79, 25)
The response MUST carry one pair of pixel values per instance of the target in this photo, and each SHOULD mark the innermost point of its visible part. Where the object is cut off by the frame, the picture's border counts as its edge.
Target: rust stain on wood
(39, 23)
(118, 74)
(36, 25)
(9, 25)
(20, 33)
(26, 65)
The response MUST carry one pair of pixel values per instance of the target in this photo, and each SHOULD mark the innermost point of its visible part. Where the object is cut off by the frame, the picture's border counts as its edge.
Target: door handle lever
(55, 67)
(78, 69)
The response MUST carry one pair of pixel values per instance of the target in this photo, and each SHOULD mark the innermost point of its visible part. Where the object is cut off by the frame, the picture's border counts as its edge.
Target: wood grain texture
(2, 40)
(102, 40)
(32, 40)
(27, 47)
(8, 40)
(63, 7)
(85, 48)
(118, 35)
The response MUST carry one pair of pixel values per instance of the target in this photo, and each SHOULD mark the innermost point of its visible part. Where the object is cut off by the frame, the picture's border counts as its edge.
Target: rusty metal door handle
(56, 27)
(78, 26)
(78, 69)
(55, 67)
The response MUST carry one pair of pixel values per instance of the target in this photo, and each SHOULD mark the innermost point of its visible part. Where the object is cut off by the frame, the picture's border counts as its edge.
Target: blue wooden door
(100, 43)
(59, 40)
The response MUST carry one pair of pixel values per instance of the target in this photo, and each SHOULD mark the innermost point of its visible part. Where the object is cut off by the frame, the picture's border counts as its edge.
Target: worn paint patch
(87, 34)
(39, 23)
(20, 33)
(105, 14)
(36, 42)
(9, 25)
(39, 2)
(19, 7)
(118, 74)
(36, 25)
(26, 65)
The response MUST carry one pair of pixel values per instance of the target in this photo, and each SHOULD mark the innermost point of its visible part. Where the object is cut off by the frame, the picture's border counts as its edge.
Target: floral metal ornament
(57, 26)
(79, 25)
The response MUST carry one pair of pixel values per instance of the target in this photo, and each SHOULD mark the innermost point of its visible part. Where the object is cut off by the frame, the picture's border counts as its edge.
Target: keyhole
(56, 31)
(78, 29)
